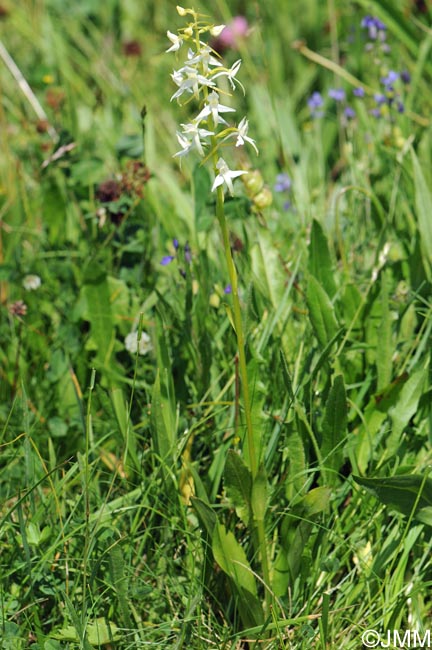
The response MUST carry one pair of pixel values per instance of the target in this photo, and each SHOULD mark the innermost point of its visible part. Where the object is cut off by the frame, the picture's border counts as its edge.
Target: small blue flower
(390, 79)
(405, 76)
(349, 113)
(338, 94)
(283, 183)
(376, 28)
(359, 92)
(400, 107)
(167, 260)
(176, 243)
(380, 98)
(228, 289)
(315, 102)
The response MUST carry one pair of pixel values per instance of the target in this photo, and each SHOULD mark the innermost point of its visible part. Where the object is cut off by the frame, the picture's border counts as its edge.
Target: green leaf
(314, 502)
(320, 263)
(238, 484)
(98, 310)
(232, 559)
(423, 198)
(321, 312)
(405, 408)
(267, 268)
(407, 494)
(98, 633)
(334, 427)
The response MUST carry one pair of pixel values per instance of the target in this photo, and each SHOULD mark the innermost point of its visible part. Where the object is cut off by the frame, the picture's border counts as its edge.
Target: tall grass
(127, 504)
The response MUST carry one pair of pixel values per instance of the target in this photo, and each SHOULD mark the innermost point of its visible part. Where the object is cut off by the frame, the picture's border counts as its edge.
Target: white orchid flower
(225, 176)
(176, 41)
(214, 109)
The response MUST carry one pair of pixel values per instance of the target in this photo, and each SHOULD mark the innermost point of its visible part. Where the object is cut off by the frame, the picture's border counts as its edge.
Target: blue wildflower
(167, 259)
(359, 92)
(376, 28)
(390, 79)
(315, 102)
(283, 183)
(338, 94)
(349, 113)
(380, 98)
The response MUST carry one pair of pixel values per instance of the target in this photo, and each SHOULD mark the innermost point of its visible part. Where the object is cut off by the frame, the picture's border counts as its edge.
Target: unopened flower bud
(216, 30)
(253, 182)
(263, 199)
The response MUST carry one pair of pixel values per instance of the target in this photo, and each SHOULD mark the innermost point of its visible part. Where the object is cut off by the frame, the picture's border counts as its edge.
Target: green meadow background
(127, 507)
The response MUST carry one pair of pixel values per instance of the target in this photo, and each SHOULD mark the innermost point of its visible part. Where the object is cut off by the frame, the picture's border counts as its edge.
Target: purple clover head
(283, 183)
(338, 94)
(349, 113)
(166, 260)
(359, 92)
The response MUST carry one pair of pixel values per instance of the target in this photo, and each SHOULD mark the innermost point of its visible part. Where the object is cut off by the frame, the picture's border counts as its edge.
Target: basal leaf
(321, 312)
(334, 426)
(320, 263)
(232, 559)
(238, 484)
(405, 493)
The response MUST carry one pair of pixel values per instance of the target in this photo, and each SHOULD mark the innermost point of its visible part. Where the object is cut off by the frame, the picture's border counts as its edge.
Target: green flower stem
(238, 325)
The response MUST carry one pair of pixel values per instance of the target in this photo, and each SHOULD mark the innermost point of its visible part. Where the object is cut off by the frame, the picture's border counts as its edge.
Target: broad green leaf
(260, 494)
(321, 312)
(334, 427)
(406, 494)
(269, 274)
(98, 633)
(232, 559)
(320, 263)
(405, 407)
(314, 502)
(98, 309)
(423, 198)
(238, 484)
